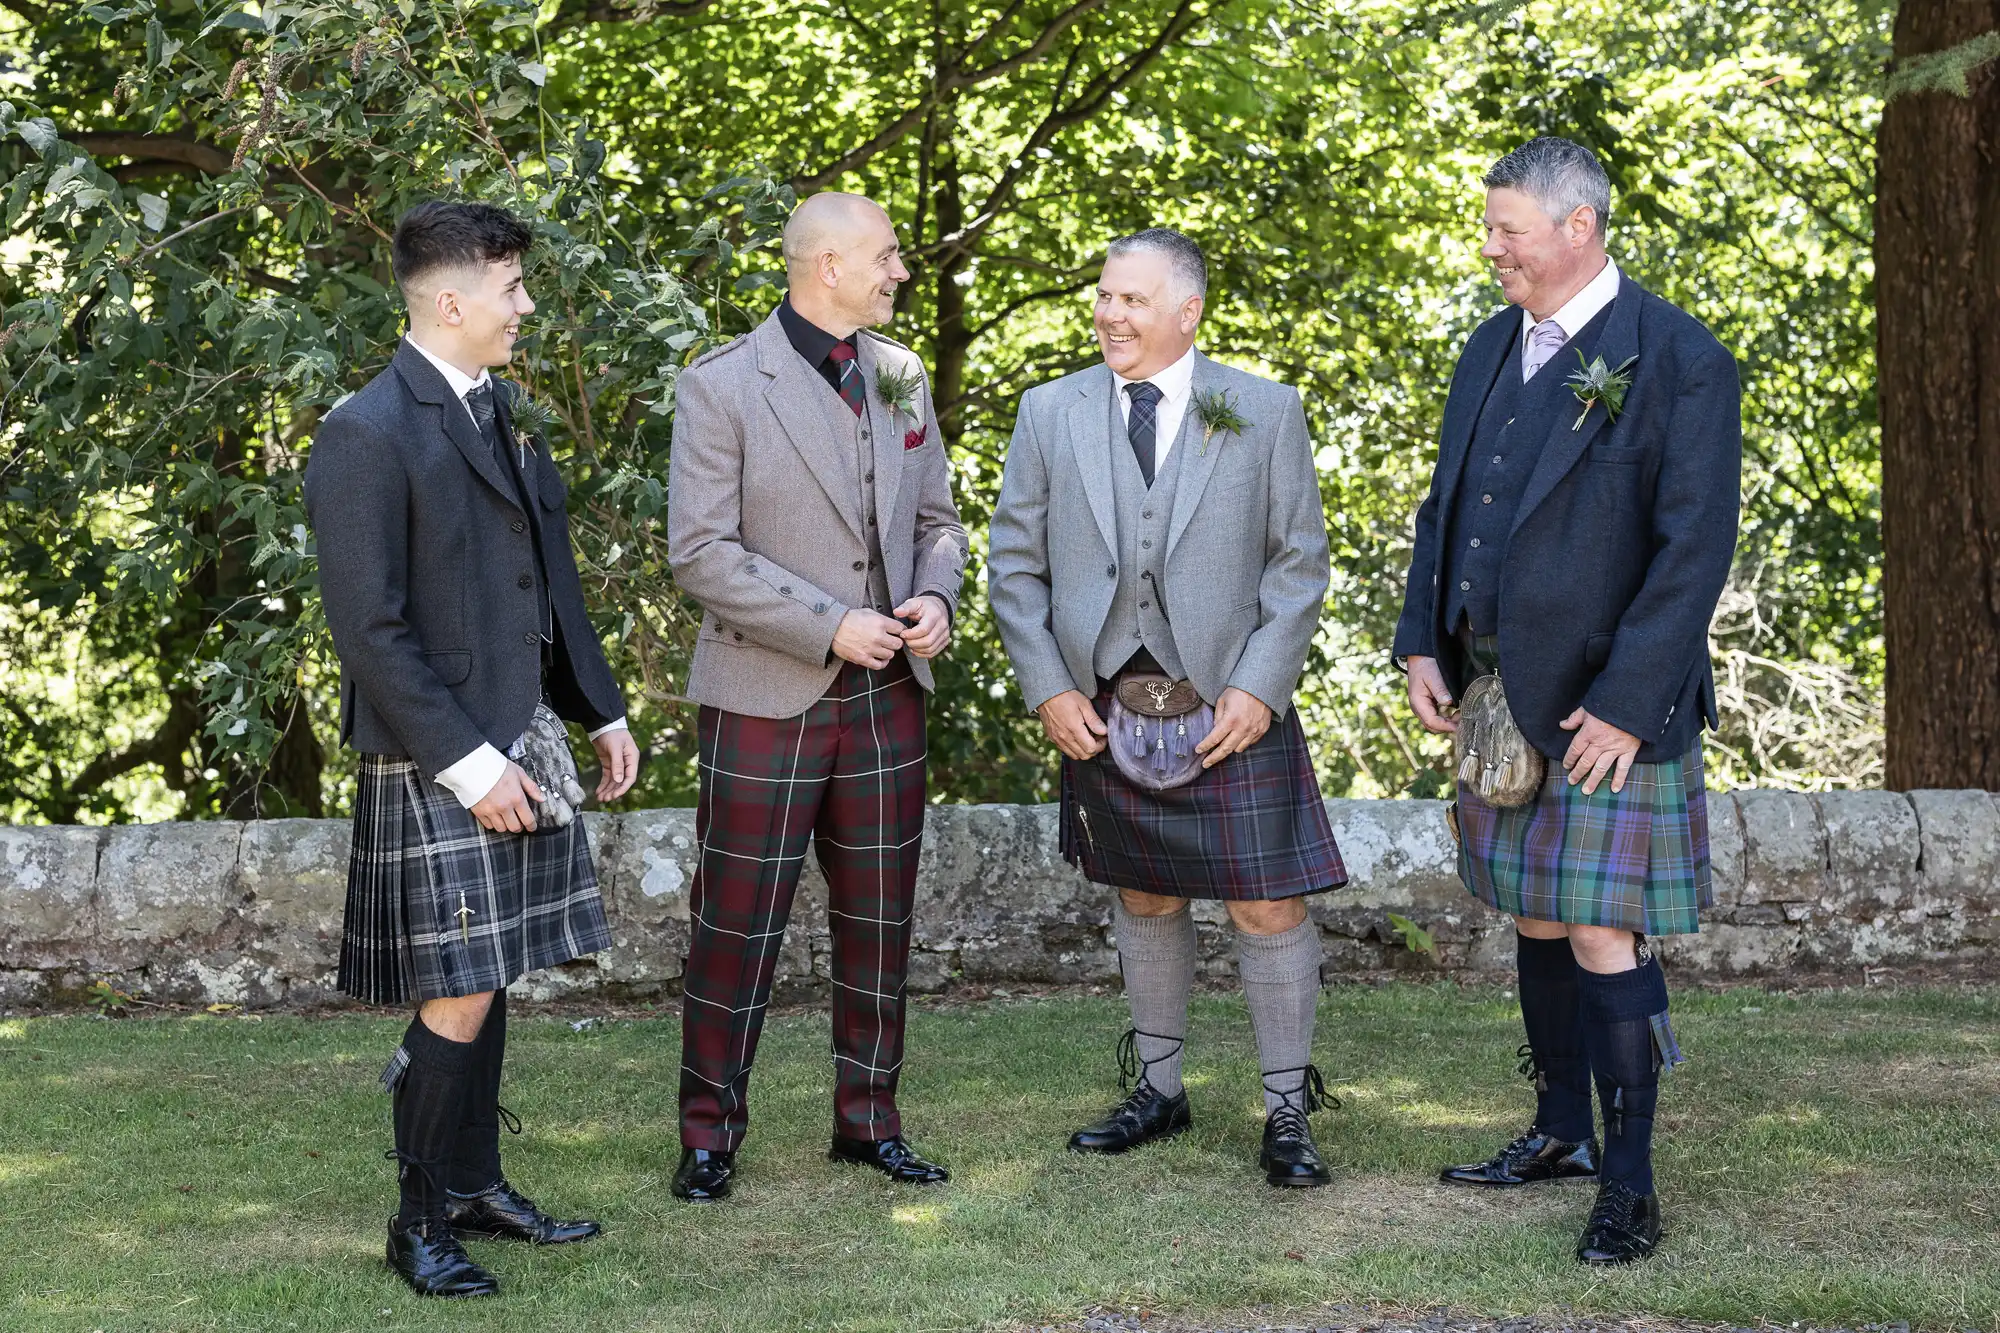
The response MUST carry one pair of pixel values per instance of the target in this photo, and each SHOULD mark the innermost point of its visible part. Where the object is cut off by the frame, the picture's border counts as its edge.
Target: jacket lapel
(1090, 419)
(1485, 353)
(796, 396)
(1618, 340)
(1196, 466)
(885, 428)
(427, 386)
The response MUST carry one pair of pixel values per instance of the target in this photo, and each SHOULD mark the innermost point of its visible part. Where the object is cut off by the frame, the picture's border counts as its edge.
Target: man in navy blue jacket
(1576, 540)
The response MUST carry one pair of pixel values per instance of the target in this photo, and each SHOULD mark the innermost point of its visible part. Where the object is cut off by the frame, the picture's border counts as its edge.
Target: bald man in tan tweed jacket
(810, 514)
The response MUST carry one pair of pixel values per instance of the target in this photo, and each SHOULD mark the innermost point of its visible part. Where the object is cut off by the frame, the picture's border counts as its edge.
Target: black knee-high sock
(1553, 1016)
(475, 1161)
(429, 1095)
(1626, 1032)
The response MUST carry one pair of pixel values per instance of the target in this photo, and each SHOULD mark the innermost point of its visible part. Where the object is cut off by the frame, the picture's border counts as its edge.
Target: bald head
(844, 262)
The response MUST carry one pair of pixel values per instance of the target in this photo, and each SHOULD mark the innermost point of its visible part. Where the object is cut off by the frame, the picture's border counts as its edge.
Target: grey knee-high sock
(1281, 981)
(1157, 955)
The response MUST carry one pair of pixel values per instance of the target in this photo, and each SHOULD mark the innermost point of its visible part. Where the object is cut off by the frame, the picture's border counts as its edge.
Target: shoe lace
(1132, 1067)
(508, 1118)
(435, 1195)
(1616, 1204)
(1530, 1067)
(1289, 1121)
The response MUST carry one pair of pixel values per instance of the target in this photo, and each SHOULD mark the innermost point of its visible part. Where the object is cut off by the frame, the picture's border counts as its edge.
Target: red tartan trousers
(848, 773)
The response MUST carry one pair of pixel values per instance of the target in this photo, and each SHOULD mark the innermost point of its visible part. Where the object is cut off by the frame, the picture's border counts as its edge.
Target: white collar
(453, 376)
(1580, 309)
(1175, 383)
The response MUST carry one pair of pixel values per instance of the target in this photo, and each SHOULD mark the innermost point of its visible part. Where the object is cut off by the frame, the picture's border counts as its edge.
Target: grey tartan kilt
(438, 906)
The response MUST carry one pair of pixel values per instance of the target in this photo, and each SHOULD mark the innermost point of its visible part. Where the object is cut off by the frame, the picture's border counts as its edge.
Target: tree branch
(191, 153)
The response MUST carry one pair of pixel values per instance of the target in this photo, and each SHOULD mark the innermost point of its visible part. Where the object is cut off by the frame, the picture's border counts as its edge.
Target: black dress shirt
(814, 343)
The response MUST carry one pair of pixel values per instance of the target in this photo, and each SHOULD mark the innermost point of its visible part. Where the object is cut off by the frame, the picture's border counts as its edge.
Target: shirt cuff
(472, 777)
(619, 725)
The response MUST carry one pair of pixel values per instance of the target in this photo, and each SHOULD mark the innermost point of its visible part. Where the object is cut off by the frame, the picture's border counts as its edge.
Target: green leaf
(39, 133)
(153, 210)
(1414, 937)
(534, 72)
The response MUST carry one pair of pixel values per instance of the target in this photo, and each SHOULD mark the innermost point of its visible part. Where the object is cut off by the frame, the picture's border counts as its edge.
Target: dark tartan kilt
(1253, 828)
(419, 856)
(1632, 860)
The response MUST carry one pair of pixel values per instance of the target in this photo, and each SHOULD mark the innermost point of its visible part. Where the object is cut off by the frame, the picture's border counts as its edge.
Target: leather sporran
(1494, 760)
(1155, 723)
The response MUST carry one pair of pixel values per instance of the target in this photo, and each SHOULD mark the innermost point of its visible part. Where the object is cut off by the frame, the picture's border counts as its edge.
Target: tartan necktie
(1142, 423)
(1546, 339)
(852, 391)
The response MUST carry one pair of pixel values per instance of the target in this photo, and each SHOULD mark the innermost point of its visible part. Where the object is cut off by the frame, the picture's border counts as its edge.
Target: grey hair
(1557, 174)
(1190, 269)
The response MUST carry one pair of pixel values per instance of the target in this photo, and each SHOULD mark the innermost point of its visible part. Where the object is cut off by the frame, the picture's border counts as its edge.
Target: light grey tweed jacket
(764, 521)
(1245, 571)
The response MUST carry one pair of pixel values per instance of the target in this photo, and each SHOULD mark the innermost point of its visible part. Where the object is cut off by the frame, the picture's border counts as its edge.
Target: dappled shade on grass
(1825, 1158)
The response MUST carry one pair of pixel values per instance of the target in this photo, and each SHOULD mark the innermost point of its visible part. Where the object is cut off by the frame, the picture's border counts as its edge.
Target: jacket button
(1465, 587)
(1111, 571)
(861, 564)
(1475, 541)
(1486, 499)
(870, 479)
(739, 636)
(518, 526)
(1148, 576)
(1496, 458)
(1148, 543)
(786, 590)
(819, 609)
(529, 639)
(1145, 606)
(526, 581)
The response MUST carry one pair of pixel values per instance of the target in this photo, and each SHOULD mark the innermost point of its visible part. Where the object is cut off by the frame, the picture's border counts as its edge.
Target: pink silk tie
(1546, 340)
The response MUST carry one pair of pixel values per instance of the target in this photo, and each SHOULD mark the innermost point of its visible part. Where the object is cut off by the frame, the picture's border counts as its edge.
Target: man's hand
(1241, 719)
(1073, 725)
(1599, 748)
(1428, 696)
(928, 637)
(867, 638)
(510, 806)
(618, 758)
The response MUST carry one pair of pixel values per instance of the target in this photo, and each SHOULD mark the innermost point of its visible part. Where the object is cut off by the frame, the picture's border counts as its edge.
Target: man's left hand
(928, 637)
(1599, 748)
(1241, 719)
(618, 754)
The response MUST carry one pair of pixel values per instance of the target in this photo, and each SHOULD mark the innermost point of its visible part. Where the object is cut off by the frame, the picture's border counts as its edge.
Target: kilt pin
(846, 776)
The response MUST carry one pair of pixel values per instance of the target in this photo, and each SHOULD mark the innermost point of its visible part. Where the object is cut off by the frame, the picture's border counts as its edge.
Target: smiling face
(1141, 328)
(478, 313)
(1541, 261)
(849, 264)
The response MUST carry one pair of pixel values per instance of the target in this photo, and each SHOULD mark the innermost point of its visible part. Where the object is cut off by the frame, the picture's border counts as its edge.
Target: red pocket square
(914, 439)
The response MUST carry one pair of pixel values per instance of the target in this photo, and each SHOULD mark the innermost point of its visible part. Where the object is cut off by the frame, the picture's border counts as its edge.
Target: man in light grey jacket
(810, 514)
(1160, 516)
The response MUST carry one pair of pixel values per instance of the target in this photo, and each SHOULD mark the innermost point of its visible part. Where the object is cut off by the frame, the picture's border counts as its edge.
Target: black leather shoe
(892, 1157)
(1624, 1225)
(703, 1176)
(1141, 1118)
(503, 1213)
(1290, 1157)
(1528, 1160)
(428, 1256)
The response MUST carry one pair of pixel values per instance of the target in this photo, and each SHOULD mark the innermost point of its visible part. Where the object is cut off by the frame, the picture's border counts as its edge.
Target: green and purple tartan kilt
(1631, 860)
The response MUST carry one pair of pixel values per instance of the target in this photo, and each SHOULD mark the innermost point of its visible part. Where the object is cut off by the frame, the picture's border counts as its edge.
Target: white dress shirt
(1176, 386)
(472, 777)
(1580, 309)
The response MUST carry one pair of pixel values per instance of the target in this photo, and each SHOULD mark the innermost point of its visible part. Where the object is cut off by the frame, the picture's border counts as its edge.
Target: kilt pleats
(847, 778)
(439, 906)
(1254, 827)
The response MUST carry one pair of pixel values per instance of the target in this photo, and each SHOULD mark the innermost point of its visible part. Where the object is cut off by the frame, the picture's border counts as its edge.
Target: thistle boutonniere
(1599, 383)
(897, 388)
(1216, 411)
(530, 419)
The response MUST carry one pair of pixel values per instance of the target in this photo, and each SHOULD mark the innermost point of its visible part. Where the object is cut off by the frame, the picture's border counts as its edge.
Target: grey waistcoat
(1137, 620)
(846, 427)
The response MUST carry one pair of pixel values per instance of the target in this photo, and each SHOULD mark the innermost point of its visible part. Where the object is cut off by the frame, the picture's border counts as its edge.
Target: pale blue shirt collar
(1580, 309)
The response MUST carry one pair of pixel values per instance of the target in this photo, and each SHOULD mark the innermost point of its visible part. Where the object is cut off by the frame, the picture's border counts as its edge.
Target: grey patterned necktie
(1142, 423)
(487, 418)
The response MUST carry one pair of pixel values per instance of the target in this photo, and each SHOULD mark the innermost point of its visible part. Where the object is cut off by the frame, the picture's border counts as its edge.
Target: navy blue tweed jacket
(1622, 541)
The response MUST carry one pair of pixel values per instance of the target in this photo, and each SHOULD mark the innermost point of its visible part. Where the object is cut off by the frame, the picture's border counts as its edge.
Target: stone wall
(249, 913)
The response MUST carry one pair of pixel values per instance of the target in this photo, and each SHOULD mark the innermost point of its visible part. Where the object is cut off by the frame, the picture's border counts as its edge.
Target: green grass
(1826, 1157)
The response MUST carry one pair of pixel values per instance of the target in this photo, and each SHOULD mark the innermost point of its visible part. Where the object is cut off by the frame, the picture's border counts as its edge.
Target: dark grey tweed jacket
(430, 581)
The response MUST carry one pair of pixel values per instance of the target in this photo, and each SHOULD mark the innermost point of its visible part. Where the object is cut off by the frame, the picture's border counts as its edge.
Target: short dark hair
(1190, 269)
(1558, 175)
(447, 234)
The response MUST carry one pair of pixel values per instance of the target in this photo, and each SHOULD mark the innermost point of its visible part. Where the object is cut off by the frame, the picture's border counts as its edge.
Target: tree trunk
(1937, 273)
